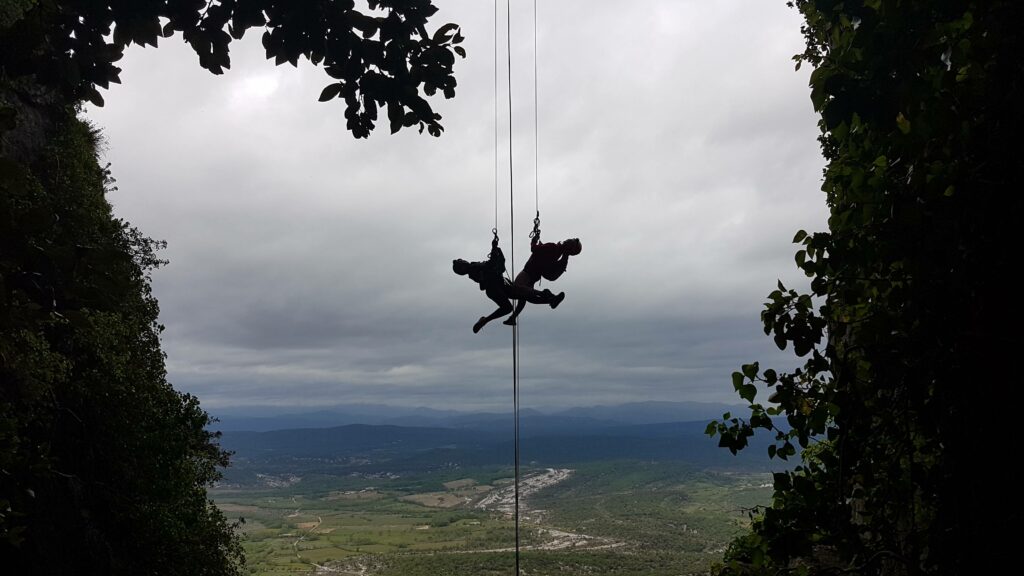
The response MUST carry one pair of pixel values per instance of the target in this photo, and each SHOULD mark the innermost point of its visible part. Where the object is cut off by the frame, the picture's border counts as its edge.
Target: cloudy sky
(311, 269)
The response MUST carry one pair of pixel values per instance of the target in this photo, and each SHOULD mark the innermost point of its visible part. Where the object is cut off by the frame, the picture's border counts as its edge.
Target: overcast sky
(311, 269)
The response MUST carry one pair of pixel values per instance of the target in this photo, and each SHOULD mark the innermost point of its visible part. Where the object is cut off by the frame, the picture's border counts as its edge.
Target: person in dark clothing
(548, 261)
(490, 276)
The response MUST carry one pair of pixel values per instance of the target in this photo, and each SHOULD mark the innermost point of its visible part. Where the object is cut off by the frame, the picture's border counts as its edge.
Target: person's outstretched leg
(557, 299)
(542, 297)
(511, 320)
(522, 289)
(504, 307)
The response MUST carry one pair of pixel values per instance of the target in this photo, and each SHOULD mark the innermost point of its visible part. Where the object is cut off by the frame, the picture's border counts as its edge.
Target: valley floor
(596, 518)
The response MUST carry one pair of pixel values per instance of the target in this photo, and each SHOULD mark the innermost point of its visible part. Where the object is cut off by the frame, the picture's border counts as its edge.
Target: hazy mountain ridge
(263, 419)
(388, 449)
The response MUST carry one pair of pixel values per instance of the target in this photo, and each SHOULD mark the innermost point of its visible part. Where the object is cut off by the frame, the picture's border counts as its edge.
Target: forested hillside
(100, 456)
(103, 465)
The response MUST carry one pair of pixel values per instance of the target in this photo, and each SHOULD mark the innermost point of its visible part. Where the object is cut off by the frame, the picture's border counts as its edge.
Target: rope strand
(515, 404)
(512, 219)
(536, 113)
(495, 116)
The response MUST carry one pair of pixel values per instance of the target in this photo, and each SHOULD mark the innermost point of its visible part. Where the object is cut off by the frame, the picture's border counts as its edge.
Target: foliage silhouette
(376, 59)
(910, 320)
(103, 465)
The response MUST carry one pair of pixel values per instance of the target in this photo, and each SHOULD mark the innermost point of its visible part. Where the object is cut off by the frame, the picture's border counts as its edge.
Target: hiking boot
(479, 324)
(558, 300)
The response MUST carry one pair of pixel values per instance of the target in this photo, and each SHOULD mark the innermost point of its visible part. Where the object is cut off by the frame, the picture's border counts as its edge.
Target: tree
(910, 325)
(103, 465)
(375, 59)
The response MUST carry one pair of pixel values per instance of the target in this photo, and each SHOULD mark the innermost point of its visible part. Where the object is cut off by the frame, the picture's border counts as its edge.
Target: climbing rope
(495, 229)
(536, 124)
(515, 327)
(535, 233)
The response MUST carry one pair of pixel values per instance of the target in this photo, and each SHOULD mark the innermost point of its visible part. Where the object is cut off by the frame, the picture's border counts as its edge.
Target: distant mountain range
(263, 419)
(455, 439)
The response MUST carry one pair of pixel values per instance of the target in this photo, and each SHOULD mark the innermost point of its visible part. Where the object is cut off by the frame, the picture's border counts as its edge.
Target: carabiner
(536, 226)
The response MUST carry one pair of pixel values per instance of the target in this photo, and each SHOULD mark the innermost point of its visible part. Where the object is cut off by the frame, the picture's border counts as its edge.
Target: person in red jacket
(547, 261)
(489, 275)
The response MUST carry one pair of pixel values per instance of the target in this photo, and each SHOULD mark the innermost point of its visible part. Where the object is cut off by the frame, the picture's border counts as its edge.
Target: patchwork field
(597, 518)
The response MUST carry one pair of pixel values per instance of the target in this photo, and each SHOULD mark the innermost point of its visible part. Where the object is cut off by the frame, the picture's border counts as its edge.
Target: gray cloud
(309, 268)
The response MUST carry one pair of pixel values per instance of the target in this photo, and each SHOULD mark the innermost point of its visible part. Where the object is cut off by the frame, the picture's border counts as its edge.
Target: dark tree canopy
(383, 58)
(103, 465)
(903, 408)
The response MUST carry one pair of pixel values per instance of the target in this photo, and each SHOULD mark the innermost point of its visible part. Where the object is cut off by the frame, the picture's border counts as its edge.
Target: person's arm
(558, 261)
(475, 271)
(558, 268)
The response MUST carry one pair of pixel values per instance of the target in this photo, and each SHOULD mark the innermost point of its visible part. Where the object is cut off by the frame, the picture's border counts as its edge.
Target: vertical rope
(515, 403)
(536, 124)
(512, 219)
(495, 116)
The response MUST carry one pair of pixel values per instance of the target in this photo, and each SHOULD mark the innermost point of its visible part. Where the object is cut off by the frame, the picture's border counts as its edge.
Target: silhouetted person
(490, 276)
(548, 261)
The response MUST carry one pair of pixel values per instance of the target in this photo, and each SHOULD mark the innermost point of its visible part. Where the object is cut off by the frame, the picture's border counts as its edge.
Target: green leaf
(903, 123)
(93, 95)
(395, 116)
(780, 341)
(748, 392)
(787, 450)
(331, 91)
(750, 370)
(441, 35)
(737, 382)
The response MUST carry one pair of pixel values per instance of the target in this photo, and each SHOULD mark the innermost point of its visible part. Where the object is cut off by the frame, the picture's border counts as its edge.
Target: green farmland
(602, 518)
